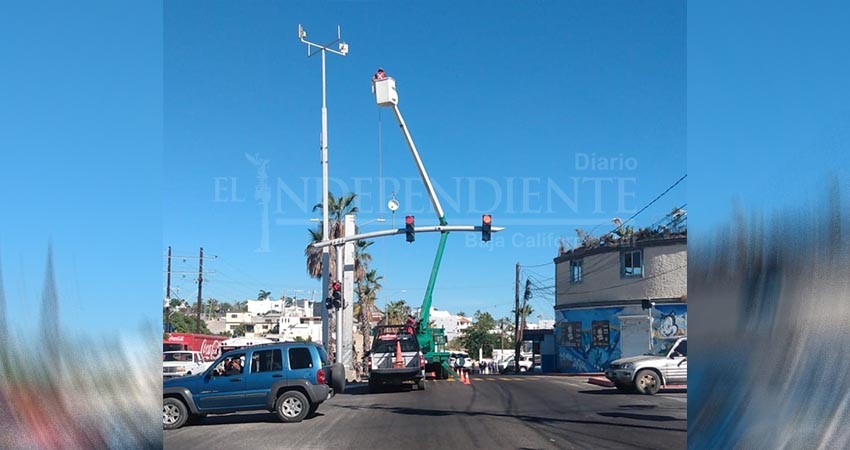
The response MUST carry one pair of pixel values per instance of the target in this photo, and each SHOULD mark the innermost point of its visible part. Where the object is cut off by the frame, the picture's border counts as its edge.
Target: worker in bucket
(409, 325)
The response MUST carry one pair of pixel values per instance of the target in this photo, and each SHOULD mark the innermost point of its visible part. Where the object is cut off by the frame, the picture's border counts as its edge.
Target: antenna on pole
(341, 47)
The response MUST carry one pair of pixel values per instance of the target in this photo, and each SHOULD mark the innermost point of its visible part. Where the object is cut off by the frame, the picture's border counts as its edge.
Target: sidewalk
(602, 381)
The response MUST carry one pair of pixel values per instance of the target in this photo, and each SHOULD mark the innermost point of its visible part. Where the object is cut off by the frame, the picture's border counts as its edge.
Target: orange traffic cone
(399, 360)
(465, 378)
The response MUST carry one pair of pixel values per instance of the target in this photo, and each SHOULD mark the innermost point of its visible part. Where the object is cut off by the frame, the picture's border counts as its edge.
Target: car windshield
(664, 350)
(176, 357)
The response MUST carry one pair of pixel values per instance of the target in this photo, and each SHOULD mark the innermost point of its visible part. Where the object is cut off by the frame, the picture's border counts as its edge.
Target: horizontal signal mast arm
(391, 232)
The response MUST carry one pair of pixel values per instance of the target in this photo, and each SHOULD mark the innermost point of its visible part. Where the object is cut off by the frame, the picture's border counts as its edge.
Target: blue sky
(119, 121)
(498, 100)
(81, 138)
(767, 127)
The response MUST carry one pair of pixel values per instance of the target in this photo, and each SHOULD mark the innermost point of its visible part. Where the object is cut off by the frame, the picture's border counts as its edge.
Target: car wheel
(647, 382)
(523, 369)
(421, 384)
(292, 406)
(373, 387)
(174, 413)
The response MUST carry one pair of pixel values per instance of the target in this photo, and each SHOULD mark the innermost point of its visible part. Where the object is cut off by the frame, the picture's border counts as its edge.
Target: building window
(575, 271)
(632, 263)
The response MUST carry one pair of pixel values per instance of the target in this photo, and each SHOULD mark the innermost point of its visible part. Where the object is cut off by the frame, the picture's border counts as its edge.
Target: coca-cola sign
(210, 350)
(173, 338)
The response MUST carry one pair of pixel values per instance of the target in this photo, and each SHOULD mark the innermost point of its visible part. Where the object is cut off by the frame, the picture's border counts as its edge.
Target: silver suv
(647, 373)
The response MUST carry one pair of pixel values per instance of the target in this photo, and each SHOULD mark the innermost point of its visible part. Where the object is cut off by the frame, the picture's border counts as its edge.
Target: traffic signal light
(408, 228)
(329, 303)
(486, 222)
(336, 294)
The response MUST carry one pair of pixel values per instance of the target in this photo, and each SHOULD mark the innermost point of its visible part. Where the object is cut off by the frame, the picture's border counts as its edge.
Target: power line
(537, 265)
(651, 203)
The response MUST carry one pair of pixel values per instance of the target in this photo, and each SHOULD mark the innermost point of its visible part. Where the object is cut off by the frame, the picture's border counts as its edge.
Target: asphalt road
(494, 412)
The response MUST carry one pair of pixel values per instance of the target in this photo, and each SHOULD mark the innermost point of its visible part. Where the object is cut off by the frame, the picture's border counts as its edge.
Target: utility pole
(517, 331)
(200, 286)
(343, 50)
(168, 277)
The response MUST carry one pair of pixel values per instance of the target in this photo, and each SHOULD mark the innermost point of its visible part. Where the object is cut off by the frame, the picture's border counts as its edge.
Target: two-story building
(601, 294)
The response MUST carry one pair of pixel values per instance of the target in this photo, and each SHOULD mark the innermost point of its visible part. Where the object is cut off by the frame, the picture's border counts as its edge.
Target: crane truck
(432, 341)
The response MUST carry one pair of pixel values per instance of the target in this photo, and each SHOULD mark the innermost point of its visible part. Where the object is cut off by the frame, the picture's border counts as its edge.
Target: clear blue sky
(767, 121)
(119, 120)
(489, 94)
(81, 139)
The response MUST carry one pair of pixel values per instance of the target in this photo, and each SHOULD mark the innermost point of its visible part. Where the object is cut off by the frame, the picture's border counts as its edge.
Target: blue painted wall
(596, 342)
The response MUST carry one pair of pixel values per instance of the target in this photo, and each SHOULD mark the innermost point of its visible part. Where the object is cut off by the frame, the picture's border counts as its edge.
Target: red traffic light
(408, 220)
(336, 286)
(486, 218)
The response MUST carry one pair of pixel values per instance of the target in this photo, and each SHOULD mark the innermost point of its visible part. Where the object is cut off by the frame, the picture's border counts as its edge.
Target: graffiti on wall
(669, 322)
(590, 339)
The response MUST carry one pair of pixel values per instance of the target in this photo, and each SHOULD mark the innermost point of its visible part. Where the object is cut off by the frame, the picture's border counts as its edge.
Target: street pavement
(493, 412)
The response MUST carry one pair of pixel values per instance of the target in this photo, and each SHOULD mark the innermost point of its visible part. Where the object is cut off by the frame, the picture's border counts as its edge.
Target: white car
(647, 373)
(467, 361)
(182, 363)
(526, 363)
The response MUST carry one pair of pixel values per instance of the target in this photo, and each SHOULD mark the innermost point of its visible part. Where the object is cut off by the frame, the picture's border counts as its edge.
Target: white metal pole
(325, 221)
(339, 312)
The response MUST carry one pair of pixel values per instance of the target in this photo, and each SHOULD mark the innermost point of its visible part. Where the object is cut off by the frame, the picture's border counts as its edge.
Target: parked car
(395, 359)
(647, 373)
(181, 363)
(526, 363)
(290, 379)
(467, 361)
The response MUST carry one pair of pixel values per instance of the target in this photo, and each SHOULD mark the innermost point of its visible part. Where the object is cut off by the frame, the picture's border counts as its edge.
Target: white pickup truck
(181, 363)
(395, 359)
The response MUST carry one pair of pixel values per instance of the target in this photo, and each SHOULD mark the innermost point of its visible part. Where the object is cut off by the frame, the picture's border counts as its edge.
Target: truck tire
(647, 382)
(292, 406)
(421, 384)
(174, 413)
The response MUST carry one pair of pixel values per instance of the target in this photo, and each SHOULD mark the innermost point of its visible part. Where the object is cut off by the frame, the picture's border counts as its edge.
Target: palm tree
(338, 208)
(362, 258)
(263, 295)
(367, 292)
(397, 312)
